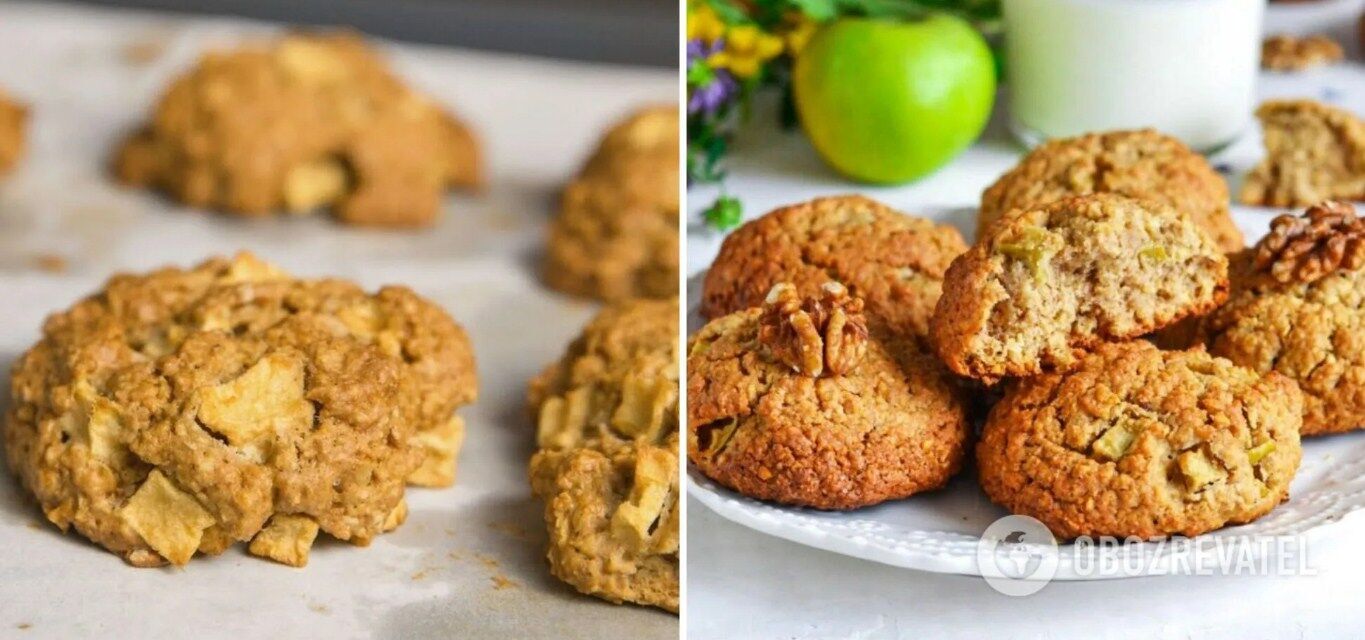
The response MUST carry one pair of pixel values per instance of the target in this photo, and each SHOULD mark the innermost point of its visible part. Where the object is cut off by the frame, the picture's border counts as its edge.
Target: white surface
(744, 584)
(433, 576)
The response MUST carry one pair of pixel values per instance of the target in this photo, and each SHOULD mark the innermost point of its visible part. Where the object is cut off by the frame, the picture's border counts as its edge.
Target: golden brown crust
(891, 427)
(1290, 53)
(606, 467)
(304, 122)
(1312, 332)
(1045, 285)
(613, 521)
(13, 118)
(1141, 442)
(1140, 164)
(228, 393)
(1314, 152)
(616, 235)
(894, 262)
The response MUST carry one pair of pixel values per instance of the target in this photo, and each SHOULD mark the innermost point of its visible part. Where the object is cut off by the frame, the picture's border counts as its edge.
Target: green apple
(889, 101)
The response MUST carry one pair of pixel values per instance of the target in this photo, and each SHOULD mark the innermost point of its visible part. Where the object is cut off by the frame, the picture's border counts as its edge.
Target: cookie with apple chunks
(1140, 442)
(1045, 285)
(180, 411)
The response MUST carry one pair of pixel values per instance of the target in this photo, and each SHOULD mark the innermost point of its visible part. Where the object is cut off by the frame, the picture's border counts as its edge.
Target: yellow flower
(798, 30)
(746, 49)
(703, 23)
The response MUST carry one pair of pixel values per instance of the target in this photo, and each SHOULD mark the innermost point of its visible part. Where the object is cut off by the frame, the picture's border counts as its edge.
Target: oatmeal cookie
(1290, 53)
(606, 466)
(301, 123)
(797, 403)
(186, 410)
(1297, 308)
(894, 262)
(1140, 164)
(613, 520)
(617, 382)
(13, 117)
(1044, 285)
(1141, 442)
(616, 234)
(1314, 152)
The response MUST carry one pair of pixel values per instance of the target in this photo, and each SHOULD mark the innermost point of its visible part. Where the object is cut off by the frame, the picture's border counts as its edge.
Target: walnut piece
(1290, 53)
(814, 335)
(1305, 248)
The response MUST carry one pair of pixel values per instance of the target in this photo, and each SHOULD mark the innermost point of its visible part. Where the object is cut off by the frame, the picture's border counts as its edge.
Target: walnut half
(815, 335)
(1327, 237)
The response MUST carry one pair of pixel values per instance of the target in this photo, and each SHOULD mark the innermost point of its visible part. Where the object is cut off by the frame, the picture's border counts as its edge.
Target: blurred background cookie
(301, 123)
(616, 234)
(1313, 152)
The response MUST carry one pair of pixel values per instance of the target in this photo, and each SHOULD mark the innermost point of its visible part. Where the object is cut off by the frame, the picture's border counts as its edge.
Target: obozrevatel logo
(1017, 555)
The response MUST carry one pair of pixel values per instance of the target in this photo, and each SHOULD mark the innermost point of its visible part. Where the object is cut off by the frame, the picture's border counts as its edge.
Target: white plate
(940, 531)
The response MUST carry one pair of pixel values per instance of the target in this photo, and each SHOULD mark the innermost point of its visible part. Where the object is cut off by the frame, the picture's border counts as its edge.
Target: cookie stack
(846, 342)
(606, 464)
(1098, 432)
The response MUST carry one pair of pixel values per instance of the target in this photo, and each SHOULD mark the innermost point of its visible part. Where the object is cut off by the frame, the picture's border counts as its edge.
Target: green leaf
(730, 12)
(725, 213)
(700, 74)
(818, 10)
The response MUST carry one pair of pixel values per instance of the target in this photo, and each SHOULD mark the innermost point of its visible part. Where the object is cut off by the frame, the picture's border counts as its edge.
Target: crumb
(51, 263)
(501, 582)
(320, 608)
(510, 529)
(23, 626)
(487, 560)
(421, 575)
(143, 52)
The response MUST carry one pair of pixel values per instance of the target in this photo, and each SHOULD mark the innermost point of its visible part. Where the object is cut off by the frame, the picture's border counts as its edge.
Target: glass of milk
(1184, 67)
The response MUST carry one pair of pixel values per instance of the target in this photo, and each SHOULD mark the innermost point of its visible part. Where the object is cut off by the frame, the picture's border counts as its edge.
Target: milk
(1185, 67)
